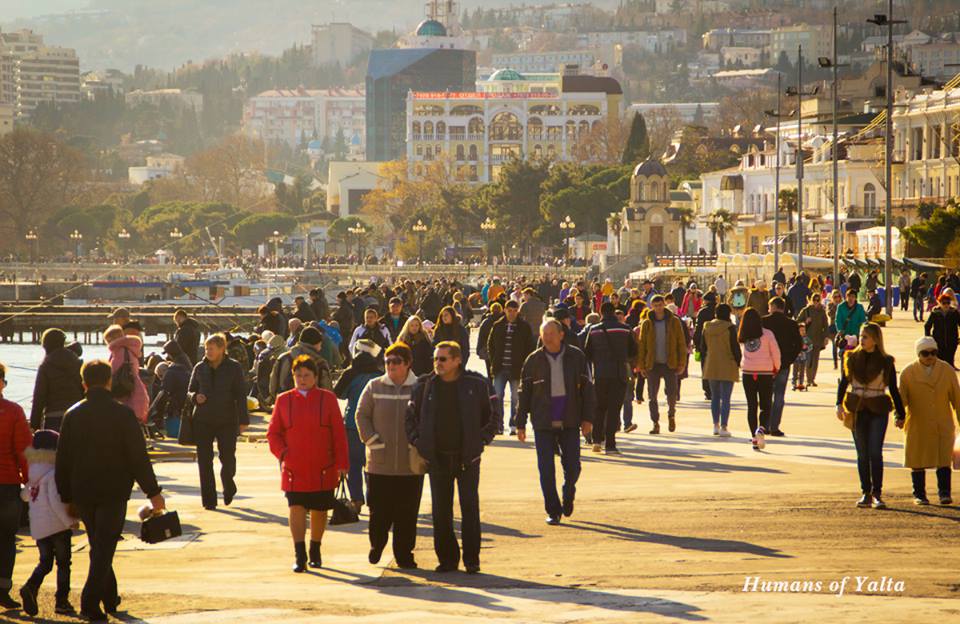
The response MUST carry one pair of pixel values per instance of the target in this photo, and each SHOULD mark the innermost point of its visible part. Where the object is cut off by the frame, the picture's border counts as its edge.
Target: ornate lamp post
(276, 239)
(124, 236)
(566, 227)
(359, 230)
(32, 237)
(421, 229)
(76, 237)
(489, 227)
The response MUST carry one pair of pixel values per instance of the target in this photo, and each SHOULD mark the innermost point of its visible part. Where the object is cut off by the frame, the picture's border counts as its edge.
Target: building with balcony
(338, 42)
(299, 116)
(719, 38)
(816, 40)
(32, 73)
(479, 131)
(546, 61)
(6, 119)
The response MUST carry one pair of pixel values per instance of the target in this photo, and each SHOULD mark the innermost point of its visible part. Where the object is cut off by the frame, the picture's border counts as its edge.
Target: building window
(428, 130)
(506, 127)
(441, 129)
(475, 127)
(459, 152)
(869, 199)
(473, 152)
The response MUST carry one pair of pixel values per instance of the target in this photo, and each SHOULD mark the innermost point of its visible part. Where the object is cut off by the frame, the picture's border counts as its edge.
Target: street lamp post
(275, 239)
(175, 235)
(32, 237)
(76, 237)
(566, 227)
(489, 227)
(359, 230)
(799, 92)
(835, 65)
(776, 179)
(888, 21)
(124, 236)
(421, 229)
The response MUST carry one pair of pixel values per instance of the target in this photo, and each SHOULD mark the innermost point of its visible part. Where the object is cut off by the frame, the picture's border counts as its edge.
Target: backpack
(738, 299)
(123, 383)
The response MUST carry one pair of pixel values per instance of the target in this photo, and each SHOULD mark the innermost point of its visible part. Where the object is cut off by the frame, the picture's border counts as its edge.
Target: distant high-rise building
(433, 60)
(339, 42)
(6, 119)
(32, 73)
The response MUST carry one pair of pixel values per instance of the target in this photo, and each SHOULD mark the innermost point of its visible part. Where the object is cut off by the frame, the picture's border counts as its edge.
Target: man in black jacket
(610, 348)
(395, 318)
(302, 310)
(509, 344)
(557, 393)
(787, 333)
(451, 416)
(101, 453)
(218, 390)
(187, 335)
(706, 314)
(58, 384)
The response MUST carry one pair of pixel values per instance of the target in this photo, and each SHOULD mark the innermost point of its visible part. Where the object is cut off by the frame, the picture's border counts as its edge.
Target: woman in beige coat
(931, 395)
(394, 472)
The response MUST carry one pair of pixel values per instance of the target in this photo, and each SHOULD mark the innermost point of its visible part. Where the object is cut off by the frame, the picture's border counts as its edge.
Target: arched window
(571, 129)
(535, 128)
(441, 129)
(584, 127)
(428, 153)
(640, 191)
(416, 128)
(473, 152)
(475, 126)
(869, 198)
(421, 110)
(538, 151)
(460, 152)
(428, 129)
(583, 109)
(465, 110)
(505, 127)
(654, 191)
(551, 151)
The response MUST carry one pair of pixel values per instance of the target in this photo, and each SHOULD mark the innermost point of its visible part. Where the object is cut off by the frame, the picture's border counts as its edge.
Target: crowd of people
(576, 359)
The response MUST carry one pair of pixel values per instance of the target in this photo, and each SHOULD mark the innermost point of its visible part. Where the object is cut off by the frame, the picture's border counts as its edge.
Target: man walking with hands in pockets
(557, 393)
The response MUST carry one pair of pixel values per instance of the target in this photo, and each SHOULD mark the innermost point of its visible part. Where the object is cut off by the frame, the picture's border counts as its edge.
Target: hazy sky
(13, 9)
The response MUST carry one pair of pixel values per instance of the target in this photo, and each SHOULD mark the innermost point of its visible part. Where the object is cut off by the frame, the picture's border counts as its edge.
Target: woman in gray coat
(814, 317)
(394, 469)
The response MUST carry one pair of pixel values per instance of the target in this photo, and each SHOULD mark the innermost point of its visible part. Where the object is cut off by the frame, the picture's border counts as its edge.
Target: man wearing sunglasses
(452, 415)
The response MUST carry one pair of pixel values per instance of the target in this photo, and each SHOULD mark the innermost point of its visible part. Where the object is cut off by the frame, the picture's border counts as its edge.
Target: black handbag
(343, 512)
(186, 436)
(162, 527)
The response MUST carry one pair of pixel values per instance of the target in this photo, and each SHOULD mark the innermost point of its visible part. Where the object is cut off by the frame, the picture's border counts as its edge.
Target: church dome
(506, 74)
(431, 28)
(650, 167)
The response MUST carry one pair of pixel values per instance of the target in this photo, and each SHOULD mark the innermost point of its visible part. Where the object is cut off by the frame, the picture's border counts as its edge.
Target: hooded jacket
(381, 423)
(58, 385)
(128, 350)
(281, 377)
(352, 382)
(48, 514)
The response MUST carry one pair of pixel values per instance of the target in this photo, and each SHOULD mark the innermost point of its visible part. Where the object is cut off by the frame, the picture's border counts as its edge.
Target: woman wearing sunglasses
(931, 395)
(394, 468)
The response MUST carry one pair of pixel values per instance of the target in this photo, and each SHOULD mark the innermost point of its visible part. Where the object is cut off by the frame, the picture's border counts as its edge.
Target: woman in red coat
(307, 435)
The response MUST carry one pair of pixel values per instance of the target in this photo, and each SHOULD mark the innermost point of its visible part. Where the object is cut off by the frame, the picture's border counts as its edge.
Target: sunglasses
(928, 353)
(441, 358)
(396, 361)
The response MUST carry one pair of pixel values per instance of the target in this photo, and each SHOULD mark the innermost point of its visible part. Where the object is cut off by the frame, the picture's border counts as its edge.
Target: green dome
(506, 74)
(431, 28)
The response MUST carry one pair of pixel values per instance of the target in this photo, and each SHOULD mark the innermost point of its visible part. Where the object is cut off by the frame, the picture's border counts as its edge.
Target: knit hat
(311, 336)
(365, 345)
(53, 339)
(45, 440)
(926, 343)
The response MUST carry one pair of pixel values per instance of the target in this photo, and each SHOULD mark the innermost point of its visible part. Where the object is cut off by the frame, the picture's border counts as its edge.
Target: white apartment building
(817, 41)
(926, 147)
(742, 56)
(654, 42)
(32, 73)
(299, 116)
(735, 37)
(158, 166)
(551, 61)
(339, 42)
(178, 98)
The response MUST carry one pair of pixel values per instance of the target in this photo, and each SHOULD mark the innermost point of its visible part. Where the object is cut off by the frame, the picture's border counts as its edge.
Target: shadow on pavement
(705, 544)
(666, 463)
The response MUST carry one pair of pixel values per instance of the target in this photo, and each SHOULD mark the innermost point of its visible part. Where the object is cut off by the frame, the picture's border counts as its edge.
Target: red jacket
(307, 435)
(15, 437)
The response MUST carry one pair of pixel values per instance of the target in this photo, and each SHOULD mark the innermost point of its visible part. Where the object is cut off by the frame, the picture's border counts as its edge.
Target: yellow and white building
(508, 116)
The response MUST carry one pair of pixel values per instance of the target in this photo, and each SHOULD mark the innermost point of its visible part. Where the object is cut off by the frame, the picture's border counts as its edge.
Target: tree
(39, 174)
(340, 229)
(938, 232)
(615, 223)
(662, 123)
(688, 219)
(788, 204)
(514, 201)
(229, 171)
(637, 148)
(720, 222)
(602, 143)
(256, 229)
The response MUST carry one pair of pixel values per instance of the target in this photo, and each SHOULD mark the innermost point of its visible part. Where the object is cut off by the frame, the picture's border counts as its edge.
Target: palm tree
(615, 222)
(720, 222)
(788, 204)
(688, 219)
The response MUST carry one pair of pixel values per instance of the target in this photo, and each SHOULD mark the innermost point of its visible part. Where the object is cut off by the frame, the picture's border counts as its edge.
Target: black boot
(919, 478)
(943, 485)
(301, 551)
(315, 560)
(6, 602)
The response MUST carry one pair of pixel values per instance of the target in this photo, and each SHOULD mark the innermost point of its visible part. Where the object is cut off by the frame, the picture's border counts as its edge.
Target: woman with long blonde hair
(414, 336)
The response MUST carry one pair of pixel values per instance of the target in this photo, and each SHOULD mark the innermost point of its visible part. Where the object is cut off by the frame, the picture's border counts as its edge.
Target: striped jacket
(381, 422)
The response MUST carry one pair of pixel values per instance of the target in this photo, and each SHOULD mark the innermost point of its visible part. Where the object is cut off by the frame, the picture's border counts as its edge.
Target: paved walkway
(672, 530)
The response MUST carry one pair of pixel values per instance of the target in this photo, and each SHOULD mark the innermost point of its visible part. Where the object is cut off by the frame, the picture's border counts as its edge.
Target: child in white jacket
(50, 524)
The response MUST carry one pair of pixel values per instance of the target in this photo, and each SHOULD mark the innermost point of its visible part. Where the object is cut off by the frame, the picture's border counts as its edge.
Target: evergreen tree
(638, 143)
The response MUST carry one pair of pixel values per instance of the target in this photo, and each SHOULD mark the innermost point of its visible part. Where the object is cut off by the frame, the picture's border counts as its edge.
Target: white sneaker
(724, 432)
(761, 441)
(716, 429)
(513, 431)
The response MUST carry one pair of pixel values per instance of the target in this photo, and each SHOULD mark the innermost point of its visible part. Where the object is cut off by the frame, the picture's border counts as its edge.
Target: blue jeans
(500, 382)
(547, 441)
(720, 392)
(358, 459)
(779, 390)
(868, 434)
(52, 548)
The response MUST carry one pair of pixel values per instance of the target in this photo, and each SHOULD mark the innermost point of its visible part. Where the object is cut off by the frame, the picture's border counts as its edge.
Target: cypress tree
(637, 148)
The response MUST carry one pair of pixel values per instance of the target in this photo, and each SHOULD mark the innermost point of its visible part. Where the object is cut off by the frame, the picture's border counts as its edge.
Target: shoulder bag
(343, 512)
